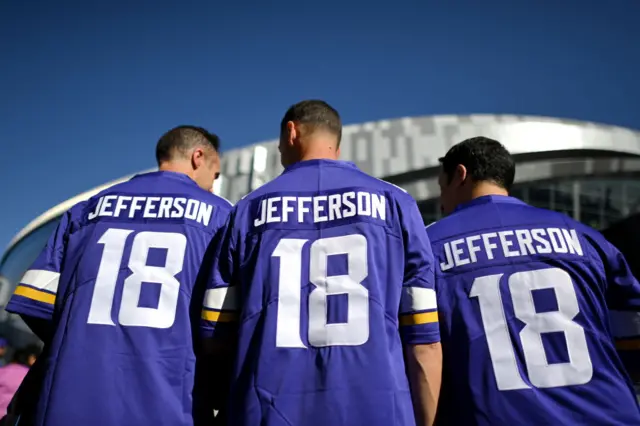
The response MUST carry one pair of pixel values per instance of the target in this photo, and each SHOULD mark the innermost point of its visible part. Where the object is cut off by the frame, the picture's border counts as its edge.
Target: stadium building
(586, 170)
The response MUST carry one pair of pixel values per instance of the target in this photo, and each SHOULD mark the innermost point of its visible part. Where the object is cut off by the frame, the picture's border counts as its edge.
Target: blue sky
(87, 87)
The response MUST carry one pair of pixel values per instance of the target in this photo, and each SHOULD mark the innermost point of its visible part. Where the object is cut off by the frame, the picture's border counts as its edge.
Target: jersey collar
(322, 162)
(486, 199)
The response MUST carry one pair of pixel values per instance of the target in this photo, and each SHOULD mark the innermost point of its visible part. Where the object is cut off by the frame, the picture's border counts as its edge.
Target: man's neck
(318, 156)
(176, 168)
(318, 147)
(482, 189)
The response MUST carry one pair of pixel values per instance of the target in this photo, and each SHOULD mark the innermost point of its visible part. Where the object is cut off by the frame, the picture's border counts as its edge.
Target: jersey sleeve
(418, 307)
(623, 290)
(36, 292)
(219, 307)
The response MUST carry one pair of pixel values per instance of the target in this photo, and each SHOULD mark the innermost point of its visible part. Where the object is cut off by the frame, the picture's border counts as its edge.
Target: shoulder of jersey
(394, 189)
(578, 226)
(390, 185)
(78, 208)
(554, 214)
(260, 191)
(221, 201)
(437, 228)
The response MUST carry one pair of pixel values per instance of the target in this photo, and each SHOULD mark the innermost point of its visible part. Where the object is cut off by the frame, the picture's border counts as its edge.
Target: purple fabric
(11, 376)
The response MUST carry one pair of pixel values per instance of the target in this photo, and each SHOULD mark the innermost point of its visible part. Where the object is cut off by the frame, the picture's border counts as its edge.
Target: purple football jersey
(329, 272)
(116, 279)
(524, 296)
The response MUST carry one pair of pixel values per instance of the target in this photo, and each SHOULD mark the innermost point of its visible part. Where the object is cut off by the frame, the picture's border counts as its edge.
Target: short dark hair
(182, 139)
(21, 356)
(315, 114)
(485, 160)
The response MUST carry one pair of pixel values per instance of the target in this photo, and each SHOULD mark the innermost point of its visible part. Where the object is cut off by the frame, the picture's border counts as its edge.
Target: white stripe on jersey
(41, 279)
(417, 299)
(221, 299)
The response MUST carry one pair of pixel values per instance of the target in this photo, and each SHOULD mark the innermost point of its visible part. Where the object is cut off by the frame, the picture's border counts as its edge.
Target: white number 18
(351, 333)
(130, 314)
(577, 371)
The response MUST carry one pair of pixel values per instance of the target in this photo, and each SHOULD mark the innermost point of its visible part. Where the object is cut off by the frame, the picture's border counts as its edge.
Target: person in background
(523, 296)
(12, 374)
(3, 351)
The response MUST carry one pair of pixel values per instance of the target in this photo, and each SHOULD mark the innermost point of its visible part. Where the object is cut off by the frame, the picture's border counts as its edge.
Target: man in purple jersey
(111, 295)
(524, 297)
(325, 275)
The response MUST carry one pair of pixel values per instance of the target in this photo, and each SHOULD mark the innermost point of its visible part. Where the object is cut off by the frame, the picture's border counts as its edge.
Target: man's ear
(461, 174)
(197, 158)
(293, 133)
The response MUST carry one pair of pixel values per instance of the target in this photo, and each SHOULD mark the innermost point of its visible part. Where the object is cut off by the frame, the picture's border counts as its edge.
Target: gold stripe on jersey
(418, 319)
(35, 294)
(218, 316)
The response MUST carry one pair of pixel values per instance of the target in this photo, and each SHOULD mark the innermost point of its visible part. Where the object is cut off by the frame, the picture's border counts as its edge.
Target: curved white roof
(392, 147)
(388, 148)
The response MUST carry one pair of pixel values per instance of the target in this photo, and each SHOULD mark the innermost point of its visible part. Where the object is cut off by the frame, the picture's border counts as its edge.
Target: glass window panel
(563, 197)
(602, 201)
(632, 196)
(614, 196)
(592, 199)
(540, 196)
(591, 188)
(612, 203)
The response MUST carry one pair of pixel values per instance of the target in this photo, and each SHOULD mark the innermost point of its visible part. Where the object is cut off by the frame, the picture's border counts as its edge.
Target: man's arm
(424, 367)
(35, 295)
(218, 314)
(219, 306)
(419, 328)
(34, 299)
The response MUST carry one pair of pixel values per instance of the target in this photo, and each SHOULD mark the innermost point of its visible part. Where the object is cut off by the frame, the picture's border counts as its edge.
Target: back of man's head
(179, 142)
(190, 150)
(475, 167)
(485, 160)
(310, 129)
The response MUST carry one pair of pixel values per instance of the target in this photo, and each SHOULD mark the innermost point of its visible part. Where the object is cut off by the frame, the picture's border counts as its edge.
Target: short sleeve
(220, 305)
(418, 307)
(35, 294)
(623, 290)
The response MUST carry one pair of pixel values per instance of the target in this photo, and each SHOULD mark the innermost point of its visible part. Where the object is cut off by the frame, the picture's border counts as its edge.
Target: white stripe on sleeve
(41, 279)
(417, 299)
(223, 298)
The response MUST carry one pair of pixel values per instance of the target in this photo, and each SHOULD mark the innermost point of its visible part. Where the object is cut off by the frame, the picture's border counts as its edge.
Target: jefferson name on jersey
(510, 243)
(165, 207)
(321, 208)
